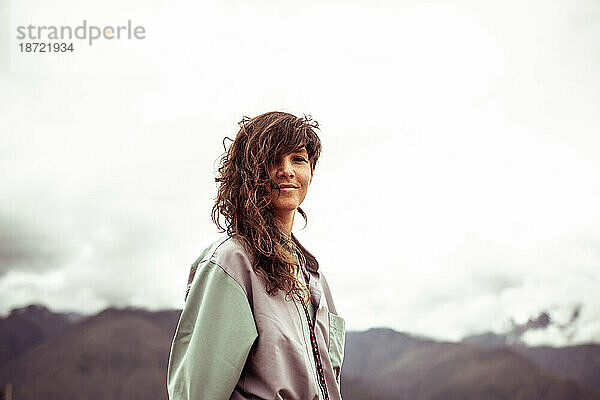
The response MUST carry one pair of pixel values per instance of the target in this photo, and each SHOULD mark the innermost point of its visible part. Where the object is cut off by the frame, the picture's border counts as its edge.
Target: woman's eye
(299, 159)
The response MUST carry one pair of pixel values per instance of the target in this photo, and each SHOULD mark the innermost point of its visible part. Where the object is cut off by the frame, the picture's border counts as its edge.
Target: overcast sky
(458, 187)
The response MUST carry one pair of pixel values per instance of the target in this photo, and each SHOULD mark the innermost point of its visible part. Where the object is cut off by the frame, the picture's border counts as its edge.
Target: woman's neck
(286, 221)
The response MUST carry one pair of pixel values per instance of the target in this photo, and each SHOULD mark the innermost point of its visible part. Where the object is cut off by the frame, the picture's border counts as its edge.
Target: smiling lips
(287, 186)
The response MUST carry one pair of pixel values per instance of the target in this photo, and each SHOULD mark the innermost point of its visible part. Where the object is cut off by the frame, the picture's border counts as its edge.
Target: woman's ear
(311, 175)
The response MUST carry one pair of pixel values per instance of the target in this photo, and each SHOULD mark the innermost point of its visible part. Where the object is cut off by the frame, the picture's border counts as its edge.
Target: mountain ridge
(123, 353)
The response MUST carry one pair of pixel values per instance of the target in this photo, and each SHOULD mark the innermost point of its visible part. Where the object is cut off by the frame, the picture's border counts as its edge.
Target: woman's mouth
(288, 187)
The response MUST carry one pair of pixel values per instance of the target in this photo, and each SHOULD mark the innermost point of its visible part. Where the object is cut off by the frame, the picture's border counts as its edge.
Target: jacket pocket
(337, 339)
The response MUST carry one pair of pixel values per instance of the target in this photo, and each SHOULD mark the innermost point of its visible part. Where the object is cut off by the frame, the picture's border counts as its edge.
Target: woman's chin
(284, 207)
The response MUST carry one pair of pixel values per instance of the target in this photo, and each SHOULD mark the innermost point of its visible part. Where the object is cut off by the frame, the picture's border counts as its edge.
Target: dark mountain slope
(117, 354)
(401, 366)
(579, 363)
(28, 326)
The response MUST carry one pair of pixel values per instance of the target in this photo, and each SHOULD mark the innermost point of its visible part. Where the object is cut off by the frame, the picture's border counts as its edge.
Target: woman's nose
(285, 169)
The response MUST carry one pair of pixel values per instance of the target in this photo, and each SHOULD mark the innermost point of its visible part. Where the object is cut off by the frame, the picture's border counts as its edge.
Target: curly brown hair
(244, 194)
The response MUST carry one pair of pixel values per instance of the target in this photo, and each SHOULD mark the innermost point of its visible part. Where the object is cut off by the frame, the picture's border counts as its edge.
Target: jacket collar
(311, 262)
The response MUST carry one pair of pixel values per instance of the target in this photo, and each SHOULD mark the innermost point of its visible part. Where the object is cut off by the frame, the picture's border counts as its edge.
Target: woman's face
(293, 175)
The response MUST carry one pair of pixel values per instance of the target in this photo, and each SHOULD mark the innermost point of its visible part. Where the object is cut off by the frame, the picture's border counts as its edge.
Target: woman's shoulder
(221, 250)
(230, 255)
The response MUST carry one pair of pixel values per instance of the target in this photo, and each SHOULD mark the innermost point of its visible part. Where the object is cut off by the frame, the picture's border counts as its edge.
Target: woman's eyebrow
(300, 149)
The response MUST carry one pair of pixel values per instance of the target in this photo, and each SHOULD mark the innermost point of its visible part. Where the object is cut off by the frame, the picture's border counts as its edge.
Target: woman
(259, 321)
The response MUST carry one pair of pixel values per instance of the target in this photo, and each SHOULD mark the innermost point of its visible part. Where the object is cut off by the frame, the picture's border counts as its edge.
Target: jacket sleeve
(213, 338)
